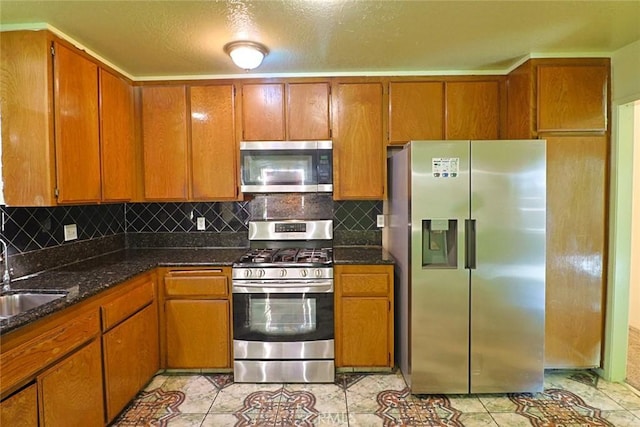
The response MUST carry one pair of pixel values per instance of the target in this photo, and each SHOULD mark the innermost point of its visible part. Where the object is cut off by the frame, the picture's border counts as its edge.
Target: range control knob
(247, 273)
(260, 273)
(303, 272)
(283, 272)
(317, 272)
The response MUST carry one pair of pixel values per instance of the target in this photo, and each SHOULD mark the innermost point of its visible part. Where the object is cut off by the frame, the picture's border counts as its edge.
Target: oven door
(280, 311)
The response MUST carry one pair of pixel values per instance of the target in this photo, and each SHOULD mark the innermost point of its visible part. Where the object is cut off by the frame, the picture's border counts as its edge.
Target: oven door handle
(264, 287)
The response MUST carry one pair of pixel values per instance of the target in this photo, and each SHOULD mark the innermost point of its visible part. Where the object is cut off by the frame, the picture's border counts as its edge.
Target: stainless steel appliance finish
(286, 166)
(283, 303)
(467, 229)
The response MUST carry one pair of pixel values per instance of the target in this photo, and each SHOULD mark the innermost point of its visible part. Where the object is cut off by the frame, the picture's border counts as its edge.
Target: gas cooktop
(286, 257)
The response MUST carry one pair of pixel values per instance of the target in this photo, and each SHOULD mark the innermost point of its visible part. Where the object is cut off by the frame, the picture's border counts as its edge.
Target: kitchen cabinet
(197, 318)
(364, 316)
(21, 409)
(576, 230)
(117, 129)
(308, 111)
(164, 141)
(568, 113)
(214, 152)
(130, 324)
(572, 97)
(71, 391)
(76, 126)
(416, 111)
(285, 111)
(67, 128)
(359, 155)
(472, 110)
(50, 127)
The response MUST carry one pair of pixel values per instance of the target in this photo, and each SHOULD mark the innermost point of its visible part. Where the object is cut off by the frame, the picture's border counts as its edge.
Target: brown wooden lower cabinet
(130, 345)
(131, 358)
(364, 316)
(71, 391)
(197, 318)
(21, 409)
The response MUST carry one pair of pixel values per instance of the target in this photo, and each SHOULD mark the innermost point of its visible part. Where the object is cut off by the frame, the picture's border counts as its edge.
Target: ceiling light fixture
(245, 54)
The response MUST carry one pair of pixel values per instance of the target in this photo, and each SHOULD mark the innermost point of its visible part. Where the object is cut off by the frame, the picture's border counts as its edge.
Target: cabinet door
(358, 151)
(472, 110)
(21, 409)
(576, 239)
(76, 127)
(416, 111)
(125, 376)
(213, 148)
(263, 112)
(116, 137)
(572, 97)
(198, 334)
(71, 391)
(364, 332)
(164, 139)
(26, 105)
(308, 111)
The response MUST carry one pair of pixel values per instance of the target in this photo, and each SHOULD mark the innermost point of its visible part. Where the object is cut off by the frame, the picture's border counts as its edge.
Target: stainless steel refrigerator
(467, 228)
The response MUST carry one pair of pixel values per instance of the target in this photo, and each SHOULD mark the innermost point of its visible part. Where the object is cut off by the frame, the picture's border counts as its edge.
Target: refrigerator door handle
(470, 244)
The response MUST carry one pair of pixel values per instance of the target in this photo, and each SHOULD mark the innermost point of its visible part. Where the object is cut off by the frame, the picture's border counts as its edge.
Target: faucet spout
(6, 277)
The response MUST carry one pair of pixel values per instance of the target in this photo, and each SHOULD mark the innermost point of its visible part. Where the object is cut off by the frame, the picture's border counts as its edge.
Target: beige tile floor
(570, 399)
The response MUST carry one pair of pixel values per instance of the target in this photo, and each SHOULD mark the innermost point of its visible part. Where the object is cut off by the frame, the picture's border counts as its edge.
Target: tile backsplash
(33, 229)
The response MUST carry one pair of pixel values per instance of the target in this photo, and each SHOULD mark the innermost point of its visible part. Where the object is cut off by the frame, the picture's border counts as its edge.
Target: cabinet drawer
(28, 358)
(196, 282)
(124, 306)
(365, 284)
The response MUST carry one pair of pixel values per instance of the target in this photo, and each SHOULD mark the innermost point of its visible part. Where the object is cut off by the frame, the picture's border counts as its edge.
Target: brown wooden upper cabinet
(117, 137)
(285, 111)
(472, 109)
(572, 97)
(359, 155)
(58, 127)
(164, 140)
(214, 155)
(77, 136)
(416, 111)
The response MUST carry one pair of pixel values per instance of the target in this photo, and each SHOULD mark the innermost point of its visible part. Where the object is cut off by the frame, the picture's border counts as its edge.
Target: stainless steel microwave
(286, 166)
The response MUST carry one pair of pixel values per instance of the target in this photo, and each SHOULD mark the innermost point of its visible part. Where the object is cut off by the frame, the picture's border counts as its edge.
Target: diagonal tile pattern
(570, 399)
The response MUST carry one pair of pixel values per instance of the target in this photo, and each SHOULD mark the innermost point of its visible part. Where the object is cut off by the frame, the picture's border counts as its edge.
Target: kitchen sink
(17, 302)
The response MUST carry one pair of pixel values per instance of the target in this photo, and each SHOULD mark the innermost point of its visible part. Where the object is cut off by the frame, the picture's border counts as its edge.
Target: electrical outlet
(70, 232)
(200, 224)
(380, 220)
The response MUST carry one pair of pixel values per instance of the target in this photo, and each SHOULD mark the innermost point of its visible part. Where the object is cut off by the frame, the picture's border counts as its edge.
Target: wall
(625, 66)
(634, 282)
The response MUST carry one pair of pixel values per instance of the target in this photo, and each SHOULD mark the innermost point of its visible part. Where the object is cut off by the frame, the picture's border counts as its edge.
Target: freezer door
(508, 188)
(439, 283)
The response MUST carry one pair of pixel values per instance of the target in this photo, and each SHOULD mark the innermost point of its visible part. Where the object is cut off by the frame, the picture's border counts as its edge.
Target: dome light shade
(245, 54)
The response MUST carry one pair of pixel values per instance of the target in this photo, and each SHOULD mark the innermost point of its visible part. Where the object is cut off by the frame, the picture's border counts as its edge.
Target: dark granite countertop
(87, 278)
(361, 255)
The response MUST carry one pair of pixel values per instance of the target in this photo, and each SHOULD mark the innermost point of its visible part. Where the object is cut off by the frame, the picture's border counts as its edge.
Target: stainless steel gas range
(283, 328)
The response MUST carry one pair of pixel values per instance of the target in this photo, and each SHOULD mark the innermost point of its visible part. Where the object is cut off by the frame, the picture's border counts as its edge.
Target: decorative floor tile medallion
(557, 407)
(397, 408)
(153, 408)
(344, 381)
(278, 408)
(220, 381)
(589, 378)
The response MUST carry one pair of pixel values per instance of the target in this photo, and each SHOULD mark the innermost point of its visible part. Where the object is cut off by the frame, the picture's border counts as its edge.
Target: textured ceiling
(186, 38)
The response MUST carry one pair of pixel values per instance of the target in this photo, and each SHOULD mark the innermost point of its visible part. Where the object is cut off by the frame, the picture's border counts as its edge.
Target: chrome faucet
(6, 277)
